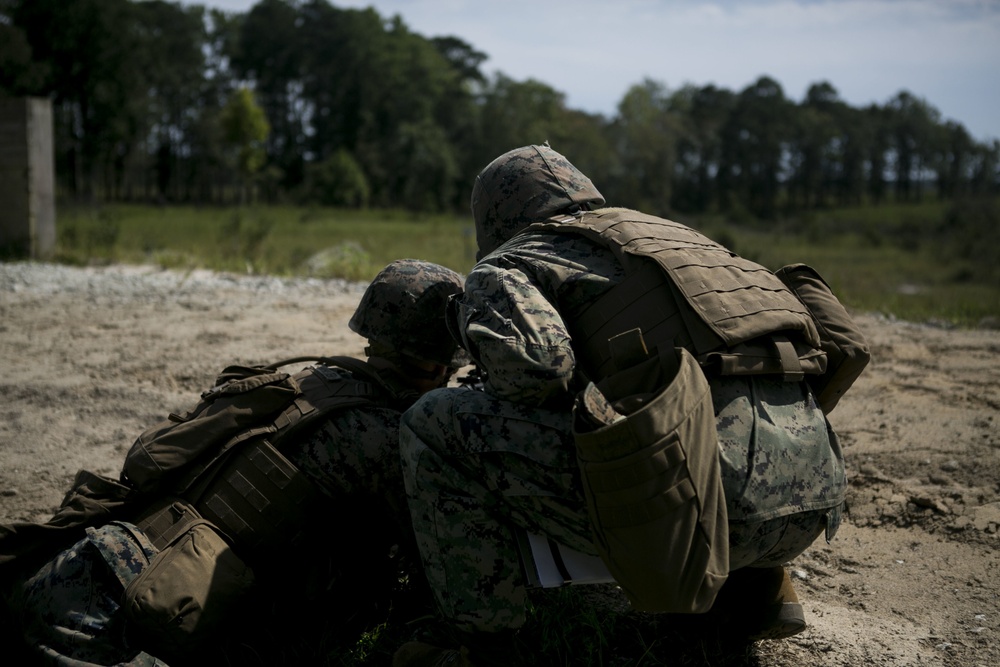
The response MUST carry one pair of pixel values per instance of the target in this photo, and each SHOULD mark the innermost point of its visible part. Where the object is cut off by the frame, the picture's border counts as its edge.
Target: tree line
(301, 101)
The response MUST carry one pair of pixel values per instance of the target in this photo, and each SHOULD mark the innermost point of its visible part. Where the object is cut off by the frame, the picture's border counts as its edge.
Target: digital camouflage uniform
(71, 606)
(477, 463)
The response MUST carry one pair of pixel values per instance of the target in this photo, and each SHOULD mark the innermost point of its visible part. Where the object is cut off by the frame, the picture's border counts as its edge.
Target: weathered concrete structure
(27, 178)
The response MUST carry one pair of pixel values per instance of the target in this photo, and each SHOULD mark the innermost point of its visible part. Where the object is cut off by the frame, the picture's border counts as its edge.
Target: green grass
(927, 262)
(267, 240)
(924, 262)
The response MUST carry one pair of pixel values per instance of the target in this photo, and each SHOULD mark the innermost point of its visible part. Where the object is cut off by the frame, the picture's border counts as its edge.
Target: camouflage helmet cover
(523, 186)
(404, 309)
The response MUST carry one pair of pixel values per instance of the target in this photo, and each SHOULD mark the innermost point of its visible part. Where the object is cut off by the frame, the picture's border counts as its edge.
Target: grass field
(270, 240)
(927, 262)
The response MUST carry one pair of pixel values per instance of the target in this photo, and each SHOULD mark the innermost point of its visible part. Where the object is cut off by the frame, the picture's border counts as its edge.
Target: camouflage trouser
(782, 469)
(469, 460)
(475, 466)
(71, 607)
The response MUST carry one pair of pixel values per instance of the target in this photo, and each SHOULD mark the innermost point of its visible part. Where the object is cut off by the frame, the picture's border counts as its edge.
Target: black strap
(558, 560)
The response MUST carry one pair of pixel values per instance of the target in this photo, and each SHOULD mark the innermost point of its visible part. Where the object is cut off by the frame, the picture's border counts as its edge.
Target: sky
(946, 52)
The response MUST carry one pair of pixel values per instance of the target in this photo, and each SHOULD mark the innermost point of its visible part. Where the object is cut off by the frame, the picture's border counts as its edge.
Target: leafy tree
(244, 130)
(140, 90)
(427, 167)
(173, 64)
(813, 150)
(953, 163)
(366, 83)
(204, 156)
(87, 48)
(646, 133)
(587, 138)
(19, 73)
(267, 49)
(912, 121)
(986, 169)
(517, 113)
(457, 113)
(339, 80)
(463, 58)
(754, 140)
(702, 112)
(414, 77)
(880, 141)
(854, 138)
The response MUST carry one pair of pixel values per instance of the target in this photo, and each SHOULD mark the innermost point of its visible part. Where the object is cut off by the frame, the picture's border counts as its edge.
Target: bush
(970, 234)
(337, 181)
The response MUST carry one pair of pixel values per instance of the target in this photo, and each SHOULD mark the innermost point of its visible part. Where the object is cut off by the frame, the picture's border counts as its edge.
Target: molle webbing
(165, 520)
(257, 496)
(714, 300)
(259, 499)
(644, 301)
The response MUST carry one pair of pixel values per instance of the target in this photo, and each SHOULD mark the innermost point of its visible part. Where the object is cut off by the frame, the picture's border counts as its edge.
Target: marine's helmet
(403, 311)
(523, 186)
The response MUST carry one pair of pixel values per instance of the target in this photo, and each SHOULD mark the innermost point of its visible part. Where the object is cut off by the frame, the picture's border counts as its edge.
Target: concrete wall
(27, 178)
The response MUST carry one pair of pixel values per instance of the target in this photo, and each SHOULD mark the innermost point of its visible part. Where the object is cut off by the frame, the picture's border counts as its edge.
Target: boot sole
(790, 620)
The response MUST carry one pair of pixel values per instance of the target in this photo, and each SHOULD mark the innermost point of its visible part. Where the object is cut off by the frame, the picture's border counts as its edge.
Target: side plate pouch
(847, 351)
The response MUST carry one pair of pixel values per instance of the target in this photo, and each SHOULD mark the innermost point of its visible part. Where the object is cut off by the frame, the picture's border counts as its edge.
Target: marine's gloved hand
(593, 410)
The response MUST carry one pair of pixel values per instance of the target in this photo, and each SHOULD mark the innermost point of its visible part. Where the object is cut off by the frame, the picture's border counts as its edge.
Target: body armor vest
(255, 495)
(685, 290)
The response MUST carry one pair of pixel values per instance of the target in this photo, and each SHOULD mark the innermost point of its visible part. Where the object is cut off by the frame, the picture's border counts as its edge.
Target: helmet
(403, 310)
(523, 186)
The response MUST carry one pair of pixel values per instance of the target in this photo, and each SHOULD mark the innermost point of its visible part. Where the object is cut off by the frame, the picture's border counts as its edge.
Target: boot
(760, 603)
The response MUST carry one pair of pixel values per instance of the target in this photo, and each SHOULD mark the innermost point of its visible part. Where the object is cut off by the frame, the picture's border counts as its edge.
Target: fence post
(27, 179)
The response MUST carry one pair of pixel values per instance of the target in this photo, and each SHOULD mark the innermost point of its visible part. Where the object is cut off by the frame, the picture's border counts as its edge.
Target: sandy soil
(91, 357)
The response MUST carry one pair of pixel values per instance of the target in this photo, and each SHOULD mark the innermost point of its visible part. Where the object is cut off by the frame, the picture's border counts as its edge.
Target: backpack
(246, 403)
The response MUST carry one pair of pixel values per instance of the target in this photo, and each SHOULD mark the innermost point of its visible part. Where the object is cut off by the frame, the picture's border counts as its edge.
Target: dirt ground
(91, 357)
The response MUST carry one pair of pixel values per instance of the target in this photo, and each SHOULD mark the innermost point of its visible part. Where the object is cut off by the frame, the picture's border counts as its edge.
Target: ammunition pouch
(194, 587)
(246, 513)
(649, 459)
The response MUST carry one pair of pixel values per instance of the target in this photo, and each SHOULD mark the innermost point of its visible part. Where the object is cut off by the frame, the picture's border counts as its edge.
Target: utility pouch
(846, 349)
(191, 588)
(651, 476)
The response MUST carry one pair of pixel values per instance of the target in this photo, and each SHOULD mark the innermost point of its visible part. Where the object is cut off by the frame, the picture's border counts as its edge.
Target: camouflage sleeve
(517, 307)
(354, 453)
(516, 335)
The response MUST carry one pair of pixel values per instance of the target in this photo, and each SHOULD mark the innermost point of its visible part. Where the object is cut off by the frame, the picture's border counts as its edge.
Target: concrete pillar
(27, 178)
